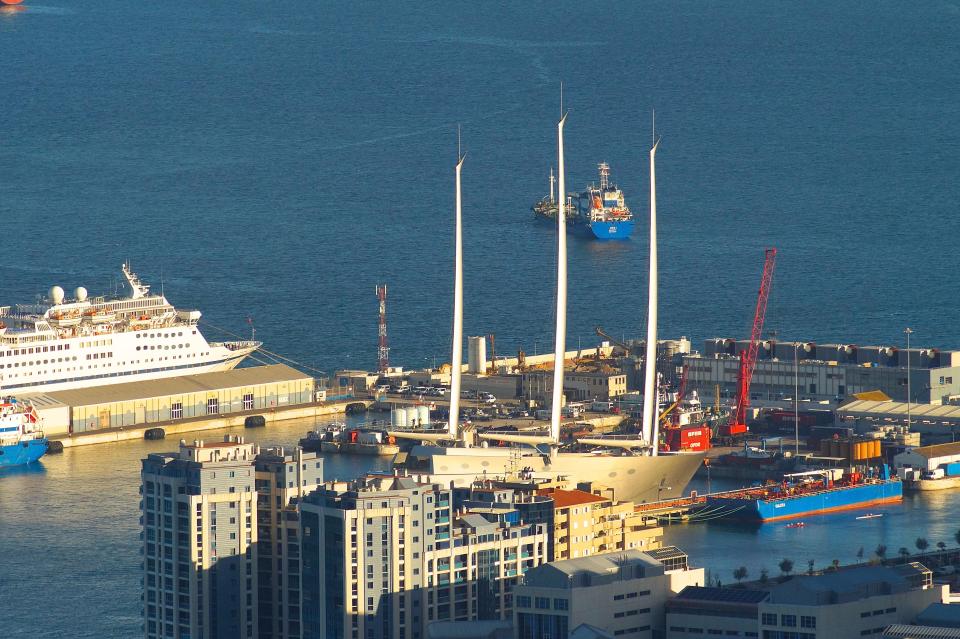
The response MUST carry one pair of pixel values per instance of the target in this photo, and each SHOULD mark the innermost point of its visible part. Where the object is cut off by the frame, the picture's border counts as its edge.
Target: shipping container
(952, 469)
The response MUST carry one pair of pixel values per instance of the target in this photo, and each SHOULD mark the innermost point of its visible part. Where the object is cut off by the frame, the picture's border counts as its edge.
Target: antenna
(653, 129)
(459, 153)
(561, 98)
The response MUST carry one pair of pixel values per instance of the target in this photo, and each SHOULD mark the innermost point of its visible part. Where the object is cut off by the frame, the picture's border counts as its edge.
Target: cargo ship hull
(750, 508)
(620, 230)
(22, 453)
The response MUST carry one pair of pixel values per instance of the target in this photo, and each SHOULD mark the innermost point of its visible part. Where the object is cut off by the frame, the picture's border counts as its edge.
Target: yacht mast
(457, 355)
(560, 339)
(650, 394)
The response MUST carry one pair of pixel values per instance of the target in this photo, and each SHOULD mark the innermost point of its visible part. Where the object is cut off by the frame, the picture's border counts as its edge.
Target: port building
(827, 371)
(257, 388)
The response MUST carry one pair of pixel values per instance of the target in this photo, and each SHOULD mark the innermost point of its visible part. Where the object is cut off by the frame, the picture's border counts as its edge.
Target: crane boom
(748, 358)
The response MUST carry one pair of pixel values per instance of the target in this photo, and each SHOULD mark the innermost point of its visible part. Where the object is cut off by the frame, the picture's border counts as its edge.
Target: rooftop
(722, 595)
(940, 614)
(180, 385)
(903, 631)
(851, 584)
(594, 570)
(567, 498)
(918, 412)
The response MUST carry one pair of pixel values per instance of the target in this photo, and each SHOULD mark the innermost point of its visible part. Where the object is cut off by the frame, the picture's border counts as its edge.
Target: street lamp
(908, 331)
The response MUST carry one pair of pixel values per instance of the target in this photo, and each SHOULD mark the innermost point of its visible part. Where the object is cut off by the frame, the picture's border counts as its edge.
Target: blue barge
(803, 495)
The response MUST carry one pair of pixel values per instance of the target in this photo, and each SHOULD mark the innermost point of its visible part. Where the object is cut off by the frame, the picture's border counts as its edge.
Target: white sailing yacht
(631, 467)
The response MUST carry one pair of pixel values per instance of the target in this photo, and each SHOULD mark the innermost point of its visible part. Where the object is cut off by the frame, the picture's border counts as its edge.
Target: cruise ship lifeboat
(62, 319)
(99, 317)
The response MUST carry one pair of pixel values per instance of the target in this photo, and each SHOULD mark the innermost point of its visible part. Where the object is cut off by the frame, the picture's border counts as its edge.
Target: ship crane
(748, 358)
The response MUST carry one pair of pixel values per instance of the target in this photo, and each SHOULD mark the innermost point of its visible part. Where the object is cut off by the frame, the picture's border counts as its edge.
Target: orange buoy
(9, 2)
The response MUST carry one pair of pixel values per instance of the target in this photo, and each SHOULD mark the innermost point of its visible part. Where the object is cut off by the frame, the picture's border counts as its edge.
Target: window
(176, 410)
(213, 406)
(523, 602)
(248, 401)
(768, 619)
(542, 603)
(561, 604)
(808, 622)
(789, 621)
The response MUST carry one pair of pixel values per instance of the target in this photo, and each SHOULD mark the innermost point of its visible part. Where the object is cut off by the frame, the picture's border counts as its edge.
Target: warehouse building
(173, 398)
(827, 371)
(928, 458)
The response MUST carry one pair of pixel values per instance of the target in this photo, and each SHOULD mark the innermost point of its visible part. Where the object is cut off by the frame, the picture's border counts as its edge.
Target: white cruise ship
(60, 343)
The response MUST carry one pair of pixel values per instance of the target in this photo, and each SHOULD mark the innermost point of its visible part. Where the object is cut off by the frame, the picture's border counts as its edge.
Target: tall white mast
(650, 394)
(552, 180)
(457, 356)
(560, 338)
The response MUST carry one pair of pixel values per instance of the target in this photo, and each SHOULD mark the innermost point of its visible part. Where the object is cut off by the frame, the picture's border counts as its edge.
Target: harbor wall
(177, 427)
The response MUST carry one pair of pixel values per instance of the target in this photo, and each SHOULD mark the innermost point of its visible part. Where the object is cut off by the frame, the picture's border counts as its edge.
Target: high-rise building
(200, 538)
(282, 481)
(384, 556)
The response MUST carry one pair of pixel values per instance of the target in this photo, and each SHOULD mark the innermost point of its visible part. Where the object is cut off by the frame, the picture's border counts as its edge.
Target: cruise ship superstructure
(60, 343)
(630, 466)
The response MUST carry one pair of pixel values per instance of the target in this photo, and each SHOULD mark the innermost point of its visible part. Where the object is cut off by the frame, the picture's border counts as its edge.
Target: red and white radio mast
(383, 351)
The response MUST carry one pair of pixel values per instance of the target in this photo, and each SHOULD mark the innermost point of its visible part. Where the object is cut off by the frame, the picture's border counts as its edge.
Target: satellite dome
(56, 294)
(80, 294)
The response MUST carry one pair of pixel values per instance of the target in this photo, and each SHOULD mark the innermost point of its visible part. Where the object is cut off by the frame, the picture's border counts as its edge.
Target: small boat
(870, 516)
(796, 524)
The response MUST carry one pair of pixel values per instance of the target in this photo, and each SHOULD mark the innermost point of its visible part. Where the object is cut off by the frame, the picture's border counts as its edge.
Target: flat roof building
(620, 593)
(182, 397)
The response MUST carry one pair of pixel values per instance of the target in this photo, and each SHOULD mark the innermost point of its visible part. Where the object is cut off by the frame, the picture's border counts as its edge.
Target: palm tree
(922, 544)
(860, 555)
(786, 566)
(809, 566)
(956, 536)
(764, 575)
(903, 552)
(941, 546)
(740, 574)
(881, 552)
(836, 564)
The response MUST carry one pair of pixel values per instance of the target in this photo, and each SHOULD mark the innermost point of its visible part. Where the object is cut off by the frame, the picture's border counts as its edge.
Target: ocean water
(278, 160)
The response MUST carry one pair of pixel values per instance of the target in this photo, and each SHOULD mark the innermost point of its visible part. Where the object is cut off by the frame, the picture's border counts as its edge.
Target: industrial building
(937, 420)
(170, 399)
(928, 458)
(827, 371)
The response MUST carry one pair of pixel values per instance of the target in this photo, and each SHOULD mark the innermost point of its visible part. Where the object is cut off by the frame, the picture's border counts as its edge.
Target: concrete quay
(181, 426)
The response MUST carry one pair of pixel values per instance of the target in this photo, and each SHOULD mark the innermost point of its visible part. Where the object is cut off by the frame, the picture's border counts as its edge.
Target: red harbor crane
(748, 358)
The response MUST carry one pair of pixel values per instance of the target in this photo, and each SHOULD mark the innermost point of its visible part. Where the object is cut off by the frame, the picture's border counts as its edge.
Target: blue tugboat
(599, 212)
(21, 439)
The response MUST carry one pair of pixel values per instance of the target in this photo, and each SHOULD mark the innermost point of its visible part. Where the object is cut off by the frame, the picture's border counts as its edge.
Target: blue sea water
(277, 160)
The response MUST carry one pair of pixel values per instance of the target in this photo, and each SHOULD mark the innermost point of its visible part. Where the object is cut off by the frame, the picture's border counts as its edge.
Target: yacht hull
(636, 478)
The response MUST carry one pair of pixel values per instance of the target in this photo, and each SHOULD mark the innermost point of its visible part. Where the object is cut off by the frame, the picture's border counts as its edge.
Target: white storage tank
(423, 415)
(398, 417)
(412, 418)
(477, 354)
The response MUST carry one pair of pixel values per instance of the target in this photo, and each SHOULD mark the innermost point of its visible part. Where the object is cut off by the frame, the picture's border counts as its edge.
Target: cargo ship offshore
(599, 212)
(814, 492)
